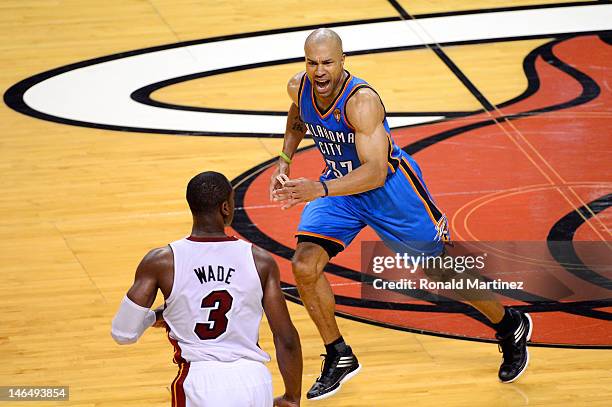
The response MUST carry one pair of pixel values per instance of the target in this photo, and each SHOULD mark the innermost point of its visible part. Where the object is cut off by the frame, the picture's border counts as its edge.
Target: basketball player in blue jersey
(370, 181)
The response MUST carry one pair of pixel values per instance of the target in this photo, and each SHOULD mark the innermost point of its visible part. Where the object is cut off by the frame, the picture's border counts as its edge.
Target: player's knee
(305, 266)
(439, 274)
(304, 270)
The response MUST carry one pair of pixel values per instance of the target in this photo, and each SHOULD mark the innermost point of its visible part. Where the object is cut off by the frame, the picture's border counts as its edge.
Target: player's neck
(204, 227)
(324, 103)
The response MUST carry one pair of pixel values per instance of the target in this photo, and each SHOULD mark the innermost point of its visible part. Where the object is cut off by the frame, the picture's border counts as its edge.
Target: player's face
(324, 67)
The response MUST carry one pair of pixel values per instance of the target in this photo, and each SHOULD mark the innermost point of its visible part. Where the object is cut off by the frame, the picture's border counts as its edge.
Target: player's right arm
(286, 338)
(135, 315)
(294, 131)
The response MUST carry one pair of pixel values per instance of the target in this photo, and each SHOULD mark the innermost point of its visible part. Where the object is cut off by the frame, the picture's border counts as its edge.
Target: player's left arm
(285, 336)
(366, 113)
(135, 315)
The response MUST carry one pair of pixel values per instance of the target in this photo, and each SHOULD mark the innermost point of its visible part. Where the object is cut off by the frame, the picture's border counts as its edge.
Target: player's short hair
(324, 34)
(207, 191)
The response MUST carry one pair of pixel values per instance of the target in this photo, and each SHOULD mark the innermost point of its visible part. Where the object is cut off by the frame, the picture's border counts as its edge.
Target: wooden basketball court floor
(505, 105)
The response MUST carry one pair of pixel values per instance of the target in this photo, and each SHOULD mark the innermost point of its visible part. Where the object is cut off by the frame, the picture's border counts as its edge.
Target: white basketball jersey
(215, 306)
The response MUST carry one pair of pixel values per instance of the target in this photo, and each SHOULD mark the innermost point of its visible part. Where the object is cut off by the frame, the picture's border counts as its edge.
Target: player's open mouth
(321, 85)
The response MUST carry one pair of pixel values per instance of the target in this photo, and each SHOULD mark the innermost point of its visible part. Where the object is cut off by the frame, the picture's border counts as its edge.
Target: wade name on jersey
(219, 273)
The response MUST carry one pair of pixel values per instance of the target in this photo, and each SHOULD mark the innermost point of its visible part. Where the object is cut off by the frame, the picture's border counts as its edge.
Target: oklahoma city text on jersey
(335, 137)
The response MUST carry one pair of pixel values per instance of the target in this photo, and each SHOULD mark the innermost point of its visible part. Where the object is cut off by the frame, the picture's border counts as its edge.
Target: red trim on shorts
(178, 358)
(178, 391)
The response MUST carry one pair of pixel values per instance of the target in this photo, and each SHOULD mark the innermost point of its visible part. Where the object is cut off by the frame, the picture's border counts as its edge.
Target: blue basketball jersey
(332, 132)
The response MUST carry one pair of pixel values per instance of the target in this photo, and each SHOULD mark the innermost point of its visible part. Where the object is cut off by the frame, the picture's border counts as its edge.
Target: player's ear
(226, 209)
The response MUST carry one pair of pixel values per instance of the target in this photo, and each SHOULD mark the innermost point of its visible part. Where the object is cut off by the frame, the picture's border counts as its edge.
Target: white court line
(100, 93)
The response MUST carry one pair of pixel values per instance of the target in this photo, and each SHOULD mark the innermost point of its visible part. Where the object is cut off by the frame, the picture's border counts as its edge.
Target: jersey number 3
(219, 303)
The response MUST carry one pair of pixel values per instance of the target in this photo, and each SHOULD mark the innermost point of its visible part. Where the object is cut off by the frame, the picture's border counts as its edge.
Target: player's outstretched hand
(282, 401)
(281, 169)
(298, 190)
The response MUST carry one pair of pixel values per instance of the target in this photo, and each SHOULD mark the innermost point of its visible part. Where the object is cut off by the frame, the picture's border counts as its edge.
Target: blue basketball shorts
(401, 212)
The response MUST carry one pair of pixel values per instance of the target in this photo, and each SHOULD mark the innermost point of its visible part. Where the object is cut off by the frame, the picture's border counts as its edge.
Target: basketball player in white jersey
(216, 288)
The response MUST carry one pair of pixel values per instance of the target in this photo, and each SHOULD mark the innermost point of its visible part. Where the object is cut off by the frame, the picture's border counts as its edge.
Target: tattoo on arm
(298, 125)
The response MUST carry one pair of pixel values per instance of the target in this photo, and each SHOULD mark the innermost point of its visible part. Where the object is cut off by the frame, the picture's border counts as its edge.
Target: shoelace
(323, 365)
(507, 348)
(508, 345)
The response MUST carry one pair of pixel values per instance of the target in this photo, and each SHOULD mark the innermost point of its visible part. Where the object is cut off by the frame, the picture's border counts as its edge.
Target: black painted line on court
(295, 299)
(143, 95)
(565, 254)
(437, 49)
(13, 97)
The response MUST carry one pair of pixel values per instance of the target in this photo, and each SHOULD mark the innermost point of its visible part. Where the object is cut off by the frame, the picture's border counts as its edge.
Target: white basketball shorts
(242, 383)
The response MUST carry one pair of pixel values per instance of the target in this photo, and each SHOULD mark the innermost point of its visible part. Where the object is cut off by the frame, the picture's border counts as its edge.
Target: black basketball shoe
(336, 370)
(513, 347)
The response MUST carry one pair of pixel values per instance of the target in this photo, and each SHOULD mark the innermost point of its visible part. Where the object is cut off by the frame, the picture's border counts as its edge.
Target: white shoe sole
(526, 351)
(337, 389)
